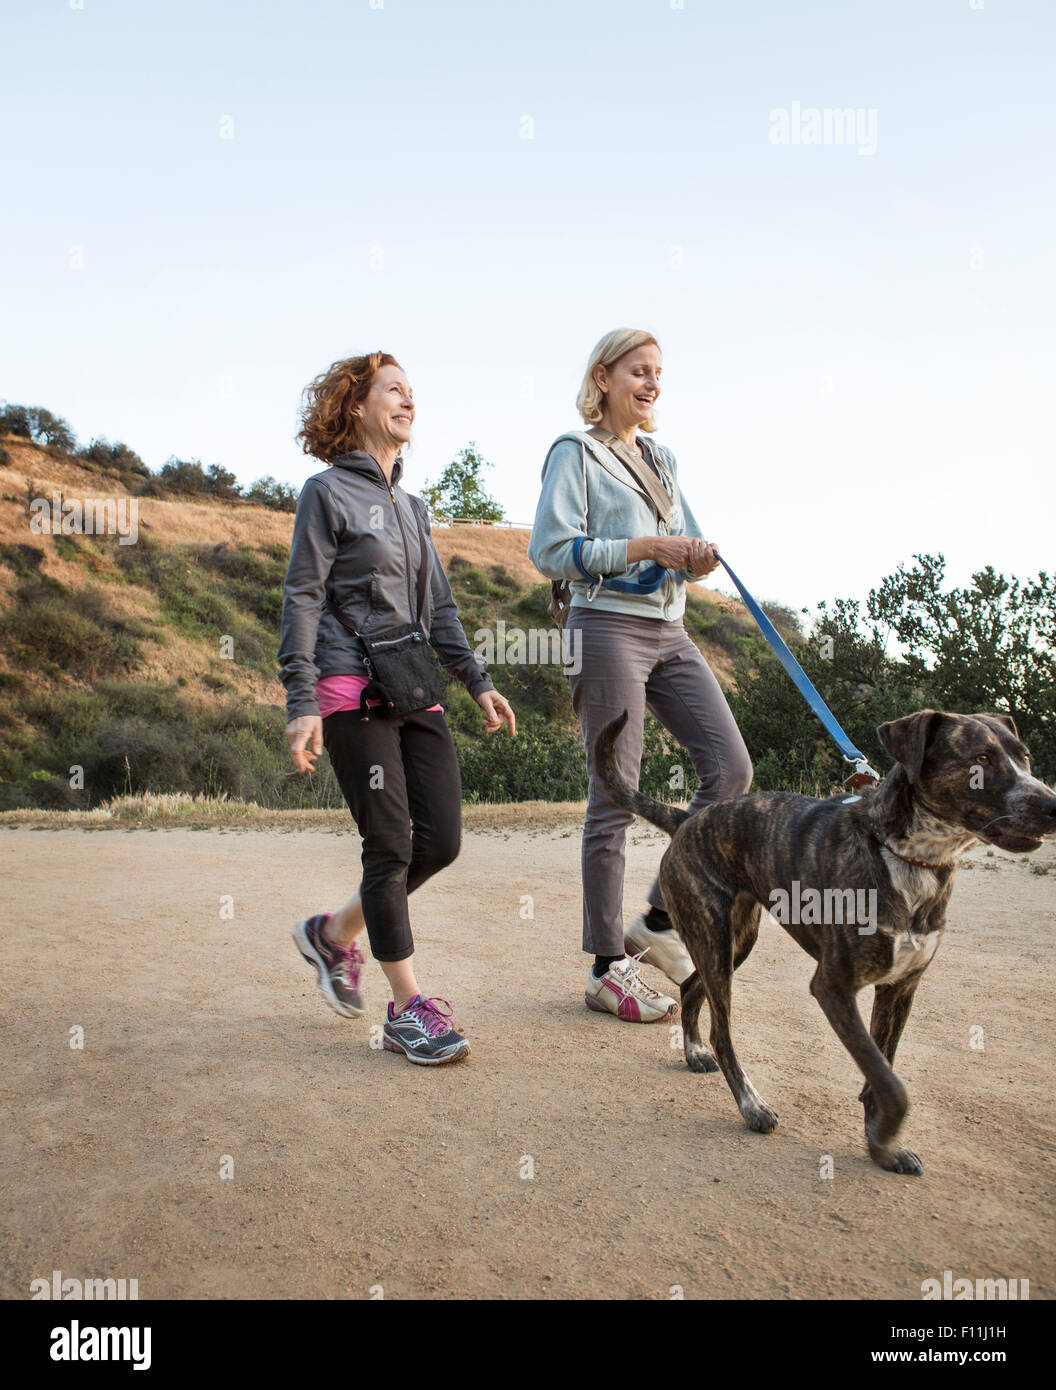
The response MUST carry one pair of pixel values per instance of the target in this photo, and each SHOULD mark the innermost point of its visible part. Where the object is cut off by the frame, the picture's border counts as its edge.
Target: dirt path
(206, 1038)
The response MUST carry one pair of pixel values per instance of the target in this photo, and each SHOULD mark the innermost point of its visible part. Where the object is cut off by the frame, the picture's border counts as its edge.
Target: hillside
(107, 648)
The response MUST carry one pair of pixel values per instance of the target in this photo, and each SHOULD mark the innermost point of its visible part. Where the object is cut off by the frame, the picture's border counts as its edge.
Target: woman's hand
(675, 553)
(305, 737)
(672, 552)
(497, 712)
(703, 559)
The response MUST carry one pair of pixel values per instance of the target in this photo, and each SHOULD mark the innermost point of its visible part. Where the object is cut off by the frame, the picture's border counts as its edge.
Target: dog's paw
(899, 1161)
(758, 1116)
(906, 1161)
(701, 1058)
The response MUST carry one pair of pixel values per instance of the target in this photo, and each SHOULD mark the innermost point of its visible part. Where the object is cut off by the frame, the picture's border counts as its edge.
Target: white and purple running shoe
(338, 968)
(423, 1032)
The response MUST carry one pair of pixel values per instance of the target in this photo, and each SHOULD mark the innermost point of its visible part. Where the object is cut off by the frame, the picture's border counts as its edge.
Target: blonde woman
(612, 522)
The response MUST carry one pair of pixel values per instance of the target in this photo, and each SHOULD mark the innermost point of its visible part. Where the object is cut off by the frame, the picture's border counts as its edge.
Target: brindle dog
(958, 779)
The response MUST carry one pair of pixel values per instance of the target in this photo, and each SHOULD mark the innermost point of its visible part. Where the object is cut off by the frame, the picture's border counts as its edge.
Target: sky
(207, 203)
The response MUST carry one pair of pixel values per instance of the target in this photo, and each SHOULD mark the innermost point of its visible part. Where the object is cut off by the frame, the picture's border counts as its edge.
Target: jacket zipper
(396, 641)
(406, 551)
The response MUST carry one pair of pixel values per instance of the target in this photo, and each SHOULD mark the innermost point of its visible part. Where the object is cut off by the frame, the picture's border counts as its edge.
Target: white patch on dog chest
(916, 885)
(909, 953)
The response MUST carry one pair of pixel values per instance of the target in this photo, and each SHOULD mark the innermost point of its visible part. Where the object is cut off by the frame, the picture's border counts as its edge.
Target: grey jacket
(588, 510)
(355, 540)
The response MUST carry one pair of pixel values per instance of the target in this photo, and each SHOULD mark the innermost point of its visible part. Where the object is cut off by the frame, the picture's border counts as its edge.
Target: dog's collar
(918, 863)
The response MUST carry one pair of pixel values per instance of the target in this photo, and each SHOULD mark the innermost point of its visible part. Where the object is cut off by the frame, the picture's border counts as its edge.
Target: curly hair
(610, 349)
(330, 405)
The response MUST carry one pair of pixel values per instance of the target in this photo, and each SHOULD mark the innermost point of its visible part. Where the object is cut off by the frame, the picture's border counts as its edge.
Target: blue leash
(803, 684)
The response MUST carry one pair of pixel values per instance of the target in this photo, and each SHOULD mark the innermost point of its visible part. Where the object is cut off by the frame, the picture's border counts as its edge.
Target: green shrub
(116, 458)
(542, 763)
(253, 580)
(547, 762)
(267, 492)
(205, 592)
(148, 736)
(41, 790)
(26, 561)
(183, 476)
(707, 622)
(77, 633)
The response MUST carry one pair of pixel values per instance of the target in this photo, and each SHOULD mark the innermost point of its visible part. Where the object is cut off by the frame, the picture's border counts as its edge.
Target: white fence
(450, 521)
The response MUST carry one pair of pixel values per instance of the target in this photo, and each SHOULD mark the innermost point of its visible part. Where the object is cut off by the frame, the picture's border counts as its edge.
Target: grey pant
(634, 663)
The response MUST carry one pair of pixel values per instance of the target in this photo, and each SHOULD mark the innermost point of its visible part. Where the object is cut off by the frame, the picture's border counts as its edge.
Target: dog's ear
(1006, 720)
(907, 739)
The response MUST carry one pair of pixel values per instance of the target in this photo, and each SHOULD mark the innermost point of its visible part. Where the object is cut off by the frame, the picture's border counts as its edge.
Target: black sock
(602, 963)
(656, 919)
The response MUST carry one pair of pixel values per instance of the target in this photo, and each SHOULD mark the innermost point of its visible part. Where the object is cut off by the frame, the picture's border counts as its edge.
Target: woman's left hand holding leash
(704, 558)
(497, 712)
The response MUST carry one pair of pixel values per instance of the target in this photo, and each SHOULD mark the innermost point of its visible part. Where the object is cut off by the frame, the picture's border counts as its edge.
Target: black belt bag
(403, 670)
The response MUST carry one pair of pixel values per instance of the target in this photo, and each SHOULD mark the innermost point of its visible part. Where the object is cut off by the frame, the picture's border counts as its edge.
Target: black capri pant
(401, 781)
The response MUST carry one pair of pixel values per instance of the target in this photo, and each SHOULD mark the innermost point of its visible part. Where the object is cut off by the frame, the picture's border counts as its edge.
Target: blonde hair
(591, 399)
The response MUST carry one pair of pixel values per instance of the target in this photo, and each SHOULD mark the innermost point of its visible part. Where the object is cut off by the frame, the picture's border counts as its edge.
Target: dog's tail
(668, 818)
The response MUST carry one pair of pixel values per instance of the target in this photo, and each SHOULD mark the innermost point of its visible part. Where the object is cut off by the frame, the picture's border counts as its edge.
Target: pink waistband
(344, 692)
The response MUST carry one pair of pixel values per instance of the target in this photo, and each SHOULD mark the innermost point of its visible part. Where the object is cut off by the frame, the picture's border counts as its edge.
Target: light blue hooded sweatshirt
(589, 508)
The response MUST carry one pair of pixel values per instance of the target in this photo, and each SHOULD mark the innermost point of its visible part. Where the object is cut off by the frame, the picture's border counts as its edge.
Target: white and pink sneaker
(623, 992)
(663, 949)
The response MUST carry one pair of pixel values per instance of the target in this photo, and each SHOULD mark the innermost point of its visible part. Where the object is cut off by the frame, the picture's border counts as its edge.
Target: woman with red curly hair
(363, 560)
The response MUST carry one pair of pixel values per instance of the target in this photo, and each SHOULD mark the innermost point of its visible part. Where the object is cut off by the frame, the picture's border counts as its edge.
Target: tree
(989, 646)
(113, 456)
(14, 419)
(36, 423)
(268, 492)
(183, 475)
(222, 482)
(53, 431)
(460, 492)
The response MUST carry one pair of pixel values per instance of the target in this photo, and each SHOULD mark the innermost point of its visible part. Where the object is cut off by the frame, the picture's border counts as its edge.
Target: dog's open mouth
(1015, 843)
(997, 831)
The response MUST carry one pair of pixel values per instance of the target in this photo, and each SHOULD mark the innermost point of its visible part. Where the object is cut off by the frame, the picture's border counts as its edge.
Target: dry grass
(484, 546)
(173, 522)
(204, 522)
(180, 810)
